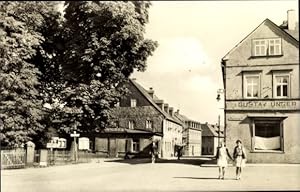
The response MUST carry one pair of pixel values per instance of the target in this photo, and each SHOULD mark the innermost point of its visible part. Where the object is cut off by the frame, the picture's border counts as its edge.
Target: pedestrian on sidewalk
(222, 159)
(153, 152)
(239, 155)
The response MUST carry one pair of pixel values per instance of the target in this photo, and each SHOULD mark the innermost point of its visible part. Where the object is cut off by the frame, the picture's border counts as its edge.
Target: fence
(18, 158)
(13, 158)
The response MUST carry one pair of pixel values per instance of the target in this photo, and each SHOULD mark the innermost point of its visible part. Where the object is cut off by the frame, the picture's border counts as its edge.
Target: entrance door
(113, 147)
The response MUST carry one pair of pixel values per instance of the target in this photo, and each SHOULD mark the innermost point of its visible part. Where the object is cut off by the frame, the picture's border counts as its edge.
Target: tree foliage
(76, 64)
(103, 44)
(20, 107)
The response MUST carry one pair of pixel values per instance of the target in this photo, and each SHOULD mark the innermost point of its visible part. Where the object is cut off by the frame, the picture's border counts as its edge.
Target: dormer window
(133, 102)
(267, 47)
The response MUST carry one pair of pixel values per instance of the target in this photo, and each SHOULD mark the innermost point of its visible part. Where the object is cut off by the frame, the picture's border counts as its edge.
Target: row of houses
(141, 118)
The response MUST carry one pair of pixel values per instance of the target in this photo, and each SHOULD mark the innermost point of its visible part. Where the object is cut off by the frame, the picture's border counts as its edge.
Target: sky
(193, 36)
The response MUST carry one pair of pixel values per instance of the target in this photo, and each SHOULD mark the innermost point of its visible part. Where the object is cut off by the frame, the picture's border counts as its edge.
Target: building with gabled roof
(140, 119)
(211, 138)
(262, 93)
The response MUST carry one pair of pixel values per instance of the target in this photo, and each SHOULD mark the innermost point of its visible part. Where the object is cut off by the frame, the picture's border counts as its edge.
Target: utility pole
(218, 130)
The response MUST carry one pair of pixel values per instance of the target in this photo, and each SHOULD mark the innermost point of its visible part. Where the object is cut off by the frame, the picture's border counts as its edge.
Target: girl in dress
(239, 156)
(222, 157)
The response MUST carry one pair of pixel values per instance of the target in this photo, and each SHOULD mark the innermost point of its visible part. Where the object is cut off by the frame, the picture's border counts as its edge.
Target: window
(251, 86)
(148, 124)
(135, 145)
(133, 102)
(264, 47)
(281, 86)
(274, 47)
(267, 135)
(131, 124)
(260, 47)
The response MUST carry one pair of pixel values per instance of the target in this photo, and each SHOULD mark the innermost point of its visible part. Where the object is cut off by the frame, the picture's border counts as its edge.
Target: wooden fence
(13, 158)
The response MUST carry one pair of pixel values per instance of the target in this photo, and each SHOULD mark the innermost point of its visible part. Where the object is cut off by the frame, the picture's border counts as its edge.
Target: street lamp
(220, 91)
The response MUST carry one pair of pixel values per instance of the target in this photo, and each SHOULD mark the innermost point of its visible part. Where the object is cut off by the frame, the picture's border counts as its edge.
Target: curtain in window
(267, 143)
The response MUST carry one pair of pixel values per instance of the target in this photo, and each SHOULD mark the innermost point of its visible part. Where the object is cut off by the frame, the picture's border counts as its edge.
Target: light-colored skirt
(222, 162)
(240, 162)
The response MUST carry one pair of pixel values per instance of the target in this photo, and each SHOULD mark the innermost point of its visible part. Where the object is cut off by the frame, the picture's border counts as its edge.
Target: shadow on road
(195, 177)
(189, 161)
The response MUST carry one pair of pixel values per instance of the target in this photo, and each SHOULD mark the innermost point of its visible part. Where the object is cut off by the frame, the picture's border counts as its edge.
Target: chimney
(291, 19)
(166, 107)
(160, 104)
(151, 92)
(171, 111)
(177, 112)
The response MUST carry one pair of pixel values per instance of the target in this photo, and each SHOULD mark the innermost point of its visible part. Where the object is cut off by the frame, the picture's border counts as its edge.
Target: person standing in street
(222, 159)
(239, 155)
(153, 152)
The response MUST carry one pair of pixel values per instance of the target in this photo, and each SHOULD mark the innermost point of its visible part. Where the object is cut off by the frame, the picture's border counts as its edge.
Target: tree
(28, 30)
(20, 106)
(103, 42)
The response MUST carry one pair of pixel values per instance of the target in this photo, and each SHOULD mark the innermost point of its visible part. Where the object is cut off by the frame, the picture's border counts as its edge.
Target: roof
(151, 100)
(293, 35)
(126, 130)
(184, 119)
(209, 130)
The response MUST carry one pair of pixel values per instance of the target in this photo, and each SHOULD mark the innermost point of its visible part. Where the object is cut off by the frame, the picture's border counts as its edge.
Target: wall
(240, 128)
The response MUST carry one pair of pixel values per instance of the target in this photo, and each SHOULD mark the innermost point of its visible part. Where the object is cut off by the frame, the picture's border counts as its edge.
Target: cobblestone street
(138, 175)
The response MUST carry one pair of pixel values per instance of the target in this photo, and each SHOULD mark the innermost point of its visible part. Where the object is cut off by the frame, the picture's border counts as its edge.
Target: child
(222, 155)
(239, 155)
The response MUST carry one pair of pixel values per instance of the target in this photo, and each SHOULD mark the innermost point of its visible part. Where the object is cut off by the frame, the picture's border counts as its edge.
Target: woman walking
(222, 157)
(239, 156)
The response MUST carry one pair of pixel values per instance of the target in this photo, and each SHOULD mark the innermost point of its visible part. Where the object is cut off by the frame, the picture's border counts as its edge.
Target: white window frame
(265, 45)
(281, 138)
(246, 85)
(275, 85)
(131, 124)
(275, 44)
(133, 102)
(262, 47)
(149, 124)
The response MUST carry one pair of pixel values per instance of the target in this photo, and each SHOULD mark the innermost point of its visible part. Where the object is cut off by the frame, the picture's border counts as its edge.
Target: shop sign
(263, 105)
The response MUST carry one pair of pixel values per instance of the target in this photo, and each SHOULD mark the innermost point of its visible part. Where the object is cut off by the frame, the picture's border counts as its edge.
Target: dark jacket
(236, 153)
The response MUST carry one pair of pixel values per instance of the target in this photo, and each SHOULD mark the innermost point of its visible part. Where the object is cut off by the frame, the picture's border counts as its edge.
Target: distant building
(210, 138)
(191, 136)
(139, 119)
(262, 93)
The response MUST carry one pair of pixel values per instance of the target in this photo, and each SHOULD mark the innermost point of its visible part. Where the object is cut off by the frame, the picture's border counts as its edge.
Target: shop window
(251, 85)
(281, 86)
(135, 145)
(267, 135)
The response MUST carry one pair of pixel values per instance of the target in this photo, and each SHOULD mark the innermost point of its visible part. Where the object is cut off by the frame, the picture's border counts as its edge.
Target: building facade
(191, 136)
(262, 93)
(140, 119)
(211, 139)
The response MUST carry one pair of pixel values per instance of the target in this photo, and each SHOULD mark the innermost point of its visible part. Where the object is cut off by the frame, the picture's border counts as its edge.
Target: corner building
(262, 93)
